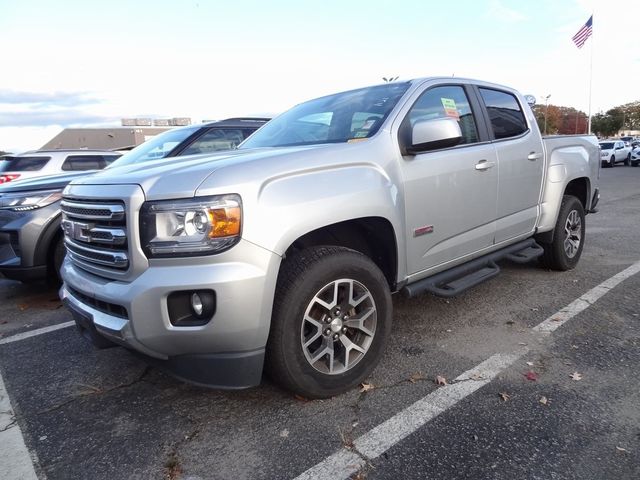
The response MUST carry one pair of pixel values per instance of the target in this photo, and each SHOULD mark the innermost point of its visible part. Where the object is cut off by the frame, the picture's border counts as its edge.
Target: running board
(461, 278)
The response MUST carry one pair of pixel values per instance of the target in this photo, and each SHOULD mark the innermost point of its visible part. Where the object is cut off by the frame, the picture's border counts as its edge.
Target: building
(105, 138)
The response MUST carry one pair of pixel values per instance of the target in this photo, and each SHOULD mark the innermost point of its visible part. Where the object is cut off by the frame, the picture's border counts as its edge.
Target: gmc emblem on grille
(77, 230)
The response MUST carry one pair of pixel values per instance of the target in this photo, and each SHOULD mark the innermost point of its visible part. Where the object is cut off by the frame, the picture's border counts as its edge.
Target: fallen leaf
(574, 346)
(365, 387)
(556, 319)
(441, 380)
(522, 344)
(416, 376)
(300, 398)
(505, 396)
(620, 449)
(475, 437)
(531, 375)
(534, 309)
(543, 400)
(576, 376)
(509, 322)
(284, 433)
(477, 376)
(530, 364)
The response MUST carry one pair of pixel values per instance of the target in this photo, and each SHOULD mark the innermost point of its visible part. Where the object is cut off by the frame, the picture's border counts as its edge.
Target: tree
(560, 120)
(609, 123)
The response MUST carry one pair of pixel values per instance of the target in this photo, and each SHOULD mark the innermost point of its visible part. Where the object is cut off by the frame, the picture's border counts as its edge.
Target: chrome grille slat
(109, 258)
(96, 232)
(88, 211)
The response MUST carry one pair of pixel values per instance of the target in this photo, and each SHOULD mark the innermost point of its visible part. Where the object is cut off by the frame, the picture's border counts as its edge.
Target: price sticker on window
(450, 108)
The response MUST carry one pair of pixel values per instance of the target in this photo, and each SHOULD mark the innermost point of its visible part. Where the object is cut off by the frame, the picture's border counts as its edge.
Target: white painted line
(375, 442)
(33, 333)
(585, 301)
(15, 460)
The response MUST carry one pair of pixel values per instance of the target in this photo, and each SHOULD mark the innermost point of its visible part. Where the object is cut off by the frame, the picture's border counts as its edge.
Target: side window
(446, 101)
(109, 159)
(83, 162)
(214, 140)
(507, 119)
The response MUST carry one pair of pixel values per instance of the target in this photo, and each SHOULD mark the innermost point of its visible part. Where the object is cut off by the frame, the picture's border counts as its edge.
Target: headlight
(197, 226)
(24, 201)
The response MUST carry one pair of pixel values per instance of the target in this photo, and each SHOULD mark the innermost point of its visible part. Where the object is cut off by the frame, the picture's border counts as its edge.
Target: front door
(451, 194)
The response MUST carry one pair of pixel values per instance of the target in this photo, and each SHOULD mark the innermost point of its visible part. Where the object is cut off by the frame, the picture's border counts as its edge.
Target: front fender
(292, 205)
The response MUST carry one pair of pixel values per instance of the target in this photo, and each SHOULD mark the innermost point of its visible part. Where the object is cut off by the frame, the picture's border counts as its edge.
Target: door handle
(533, 156)
(483, 165)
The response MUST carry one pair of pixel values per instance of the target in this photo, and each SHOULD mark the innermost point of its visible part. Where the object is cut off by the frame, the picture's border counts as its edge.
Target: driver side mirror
(434, 134)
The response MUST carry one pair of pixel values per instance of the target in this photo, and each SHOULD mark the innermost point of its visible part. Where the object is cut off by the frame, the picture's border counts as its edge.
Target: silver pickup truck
(282, 255)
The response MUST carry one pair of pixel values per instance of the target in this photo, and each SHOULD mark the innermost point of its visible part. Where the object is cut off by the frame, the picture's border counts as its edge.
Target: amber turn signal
(225, 222)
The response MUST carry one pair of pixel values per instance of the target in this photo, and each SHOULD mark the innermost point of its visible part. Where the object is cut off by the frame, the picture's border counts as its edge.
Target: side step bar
(461, 278)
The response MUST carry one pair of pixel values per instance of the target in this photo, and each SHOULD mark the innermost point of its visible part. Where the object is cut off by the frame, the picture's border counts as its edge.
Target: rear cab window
(505, 114)
(215, 140)
(22, 164)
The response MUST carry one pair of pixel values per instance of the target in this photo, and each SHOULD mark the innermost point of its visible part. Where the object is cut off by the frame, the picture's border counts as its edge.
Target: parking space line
(376, 441)
(36, 332)
(585, 301)
(14, 457)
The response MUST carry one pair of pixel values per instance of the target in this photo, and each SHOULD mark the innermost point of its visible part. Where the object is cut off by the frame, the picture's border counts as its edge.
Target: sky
(90, 63)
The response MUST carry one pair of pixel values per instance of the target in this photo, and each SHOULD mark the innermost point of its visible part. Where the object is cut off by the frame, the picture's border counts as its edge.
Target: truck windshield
(158, 147)
(343, 117)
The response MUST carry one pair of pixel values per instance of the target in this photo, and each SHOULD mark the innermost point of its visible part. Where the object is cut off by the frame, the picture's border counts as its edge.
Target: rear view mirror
(434, 134)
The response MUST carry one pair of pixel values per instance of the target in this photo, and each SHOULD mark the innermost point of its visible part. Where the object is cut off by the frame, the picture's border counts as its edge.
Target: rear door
(450, 194)
(520, 163)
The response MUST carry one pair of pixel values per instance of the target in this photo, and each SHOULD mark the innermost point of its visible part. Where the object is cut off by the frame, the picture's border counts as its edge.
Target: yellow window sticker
(450, 108)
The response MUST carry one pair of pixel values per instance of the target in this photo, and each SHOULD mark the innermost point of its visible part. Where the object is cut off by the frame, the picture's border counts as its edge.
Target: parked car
(614, 151)
(39, 163)
(31, 244)
(284, 252)
(635, 157)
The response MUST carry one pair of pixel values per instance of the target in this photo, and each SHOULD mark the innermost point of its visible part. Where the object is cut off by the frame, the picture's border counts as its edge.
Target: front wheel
(331, 318)
(55, 263)
(612, 162)
(565, 250)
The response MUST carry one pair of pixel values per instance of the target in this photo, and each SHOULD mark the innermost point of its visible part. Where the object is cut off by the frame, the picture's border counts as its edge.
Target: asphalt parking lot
(564, 405)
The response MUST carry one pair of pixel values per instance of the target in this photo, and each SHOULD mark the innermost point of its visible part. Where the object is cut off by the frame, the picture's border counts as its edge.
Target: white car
(635, 157)
(614, 151)
(48, 162)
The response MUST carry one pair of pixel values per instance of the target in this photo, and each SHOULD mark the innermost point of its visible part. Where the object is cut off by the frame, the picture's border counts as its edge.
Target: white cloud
(498, 11)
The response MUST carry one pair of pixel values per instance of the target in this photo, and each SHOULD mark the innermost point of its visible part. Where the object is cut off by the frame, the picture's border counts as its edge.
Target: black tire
(303, 276)
(58, 253)
(555, 256)
(634, 164)
(612, 162)
(627, 160)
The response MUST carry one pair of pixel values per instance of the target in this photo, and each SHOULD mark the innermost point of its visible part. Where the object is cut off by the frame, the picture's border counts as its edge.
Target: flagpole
(590, 74)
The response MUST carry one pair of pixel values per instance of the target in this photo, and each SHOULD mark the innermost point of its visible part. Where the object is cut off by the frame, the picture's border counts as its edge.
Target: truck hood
(48, 182)
(180, 177)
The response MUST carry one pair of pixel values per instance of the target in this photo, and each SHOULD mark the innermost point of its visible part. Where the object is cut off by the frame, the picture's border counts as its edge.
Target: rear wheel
(627, 160)
(331, 319)
(564, 251)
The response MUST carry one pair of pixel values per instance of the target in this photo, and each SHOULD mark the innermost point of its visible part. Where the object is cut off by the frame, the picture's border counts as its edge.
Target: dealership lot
(86, 413)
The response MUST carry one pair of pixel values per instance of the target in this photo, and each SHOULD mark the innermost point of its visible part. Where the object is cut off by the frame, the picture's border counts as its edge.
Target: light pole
(546, 111)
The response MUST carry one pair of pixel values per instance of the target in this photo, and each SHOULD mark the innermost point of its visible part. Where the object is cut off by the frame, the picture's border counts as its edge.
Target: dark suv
(31, 241)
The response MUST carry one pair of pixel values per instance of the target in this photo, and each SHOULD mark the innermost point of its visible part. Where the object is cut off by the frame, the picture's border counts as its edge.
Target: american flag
(584, 33)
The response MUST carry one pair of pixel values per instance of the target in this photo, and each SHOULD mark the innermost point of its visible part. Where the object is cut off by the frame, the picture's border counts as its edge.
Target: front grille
(104, 307)
(96, 232)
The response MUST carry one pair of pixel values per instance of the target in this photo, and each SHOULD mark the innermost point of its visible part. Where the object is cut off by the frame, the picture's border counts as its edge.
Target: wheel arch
(372, 236)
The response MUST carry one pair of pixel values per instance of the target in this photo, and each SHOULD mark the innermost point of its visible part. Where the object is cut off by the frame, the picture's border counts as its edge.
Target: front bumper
(226, 352)
(25, 241)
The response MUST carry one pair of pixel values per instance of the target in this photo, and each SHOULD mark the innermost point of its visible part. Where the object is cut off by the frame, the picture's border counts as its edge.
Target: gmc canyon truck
(282, 255)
